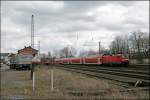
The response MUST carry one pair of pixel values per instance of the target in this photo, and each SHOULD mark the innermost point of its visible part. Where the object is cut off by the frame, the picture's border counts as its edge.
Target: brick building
(28, 51)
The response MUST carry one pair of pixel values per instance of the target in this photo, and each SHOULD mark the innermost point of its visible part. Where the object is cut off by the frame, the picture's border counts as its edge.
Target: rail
(133, 78)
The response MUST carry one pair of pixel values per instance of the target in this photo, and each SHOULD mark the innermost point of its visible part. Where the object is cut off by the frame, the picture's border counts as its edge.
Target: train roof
(86, 57)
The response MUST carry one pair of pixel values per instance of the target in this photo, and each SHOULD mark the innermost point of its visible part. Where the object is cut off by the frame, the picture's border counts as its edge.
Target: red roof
(28, 50)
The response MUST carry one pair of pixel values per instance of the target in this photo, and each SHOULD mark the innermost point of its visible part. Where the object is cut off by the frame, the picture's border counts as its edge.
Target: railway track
(118, 69)
(123, 75)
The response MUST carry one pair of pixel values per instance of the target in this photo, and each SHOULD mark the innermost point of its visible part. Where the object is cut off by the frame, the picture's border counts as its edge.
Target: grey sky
(58, 23)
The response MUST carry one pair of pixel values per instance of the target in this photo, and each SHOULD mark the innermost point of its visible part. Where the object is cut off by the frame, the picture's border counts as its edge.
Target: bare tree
(72, 52)
(55, 53)
(120, 45)
(139, 43)
(145, 45)
(134, 45)
(49, 54)
(67, 52)
(64, 52)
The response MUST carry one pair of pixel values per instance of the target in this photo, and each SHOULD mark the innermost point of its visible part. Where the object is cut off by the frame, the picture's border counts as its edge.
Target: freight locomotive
(23, 59)
(20, 61)
(97, 60)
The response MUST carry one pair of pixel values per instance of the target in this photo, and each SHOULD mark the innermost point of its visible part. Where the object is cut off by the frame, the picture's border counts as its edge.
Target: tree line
(134, 45)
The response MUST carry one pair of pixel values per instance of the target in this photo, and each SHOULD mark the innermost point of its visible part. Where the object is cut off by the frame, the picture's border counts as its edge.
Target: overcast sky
(58, 24)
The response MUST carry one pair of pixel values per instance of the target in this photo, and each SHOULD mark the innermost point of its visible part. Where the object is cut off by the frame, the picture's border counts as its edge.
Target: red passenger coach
(91, 60)
(98, 60)
(76, 60)
(65, 61)
(58, 61)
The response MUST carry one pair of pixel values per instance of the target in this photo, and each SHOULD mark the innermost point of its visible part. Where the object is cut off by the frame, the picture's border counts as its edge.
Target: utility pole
(32, 45)
(39, 47)
(149, 47)
(32, 31)
(77, 43)
(99, 47)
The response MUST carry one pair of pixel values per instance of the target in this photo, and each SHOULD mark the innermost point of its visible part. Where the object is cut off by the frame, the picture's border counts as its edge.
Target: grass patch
(67, 85)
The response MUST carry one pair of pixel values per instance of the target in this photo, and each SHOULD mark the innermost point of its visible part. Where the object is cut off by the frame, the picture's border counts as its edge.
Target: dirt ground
(67, 85)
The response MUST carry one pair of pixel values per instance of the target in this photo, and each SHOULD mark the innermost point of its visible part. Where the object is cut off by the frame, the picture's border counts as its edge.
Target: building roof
(28, 50)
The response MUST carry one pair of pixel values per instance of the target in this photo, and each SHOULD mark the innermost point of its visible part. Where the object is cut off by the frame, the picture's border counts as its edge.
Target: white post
(99, 61)
(80, 61)
(84, 61)
(52, 87)
(33, 82)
